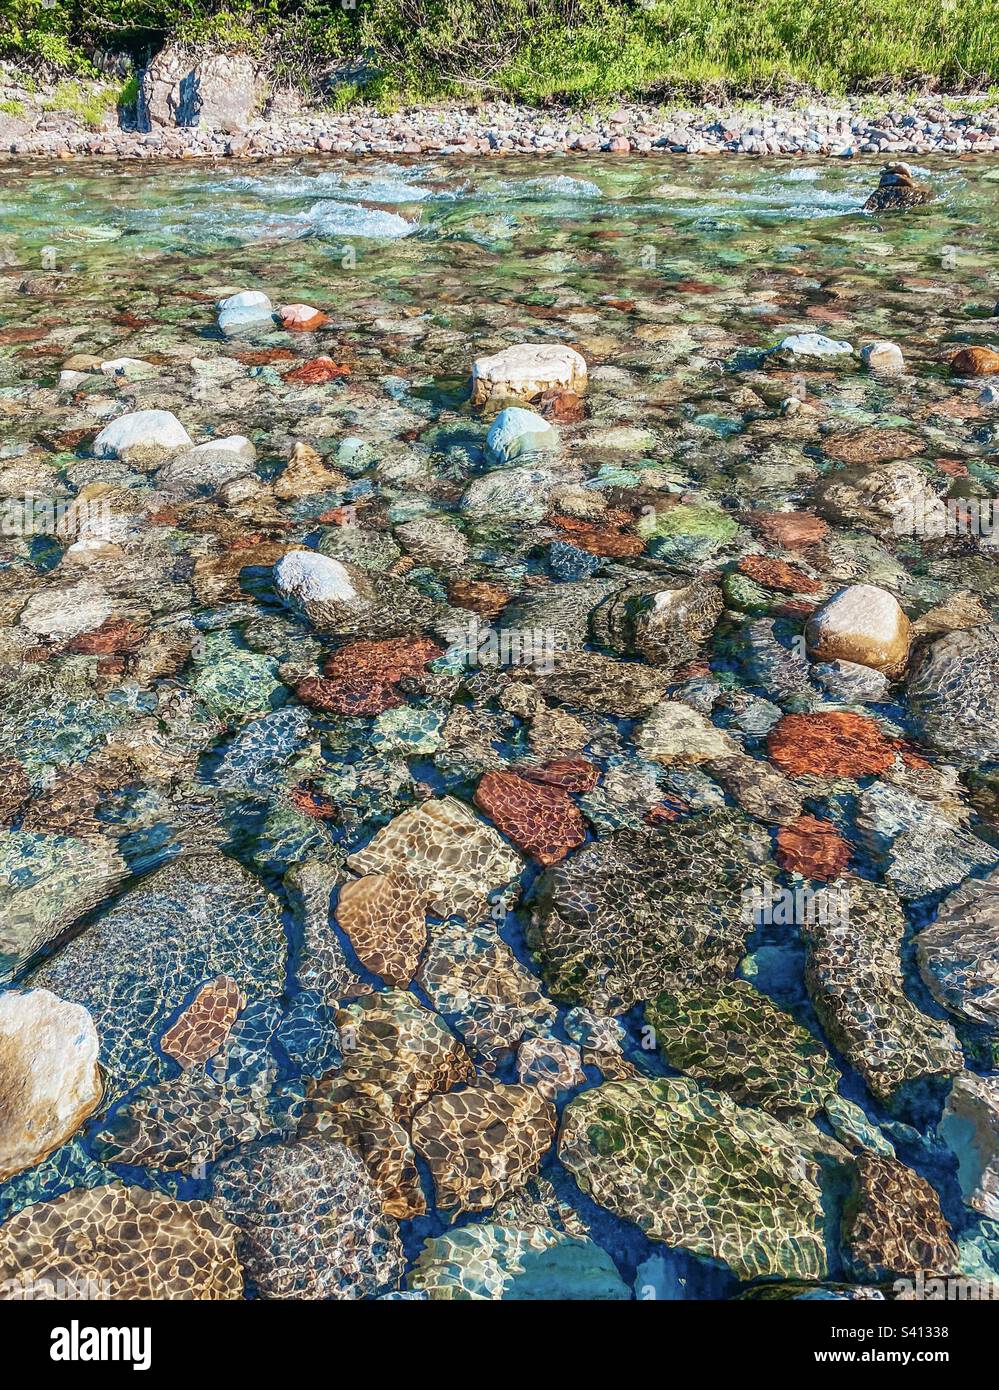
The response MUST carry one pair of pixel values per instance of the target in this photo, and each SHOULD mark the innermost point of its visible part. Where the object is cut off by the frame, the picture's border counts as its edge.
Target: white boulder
(49, 1078)
(527, 370)
(144, 429)
(862, 624)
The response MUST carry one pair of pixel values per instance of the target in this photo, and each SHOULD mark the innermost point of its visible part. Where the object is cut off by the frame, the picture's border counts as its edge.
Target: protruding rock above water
(301, 318)
(322, 588)
(144, 429)
(802, 348)
(882, 358)
(694, 1169)
(516, 432)
(897, 188)
(526, 371)
(49, 1078)
(247, 309)
(862, 624)
(954, 694)
(513, 1263)
(119, 1243)
(975, 361)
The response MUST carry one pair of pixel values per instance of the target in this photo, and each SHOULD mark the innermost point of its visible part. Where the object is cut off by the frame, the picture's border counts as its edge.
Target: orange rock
(316, 372)
(777, 574)
(792, 530)
(540, 820)
(975, 361)
(479, 596)
(813, 848)
(204, 1025)
(302, 318)
(837, 744)
(598, 540)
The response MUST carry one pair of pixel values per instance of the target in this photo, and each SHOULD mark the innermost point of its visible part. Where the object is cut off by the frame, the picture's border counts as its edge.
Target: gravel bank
(932, 126)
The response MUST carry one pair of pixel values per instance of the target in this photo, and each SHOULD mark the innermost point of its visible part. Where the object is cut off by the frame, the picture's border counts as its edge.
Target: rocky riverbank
(31, 126)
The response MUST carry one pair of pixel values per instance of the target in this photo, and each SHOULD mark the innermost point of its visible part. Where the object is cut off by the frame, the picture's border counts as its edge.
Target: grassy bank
(539, 50)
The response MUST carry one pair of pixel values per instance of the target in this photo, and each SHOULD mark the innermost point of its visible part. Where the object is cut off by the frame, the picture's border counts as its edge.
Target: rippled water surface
(182, 787)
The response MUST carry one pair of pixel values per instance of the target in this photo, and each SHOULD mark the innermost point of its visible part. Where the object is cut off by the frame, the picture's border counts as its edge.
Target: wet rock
(836, 744)
(542, 821)
(970, 1129)
(144, 429)
(483, 1142)
(892, 1223)
(49, 1078)
(247, 309)
(919, 849)
(207, 467)
(757, 788)
(452, 854)
(204, 1025)
(301, 318)
(508, 495)
(550, 1065)
(637, 913)
(117, 1243)
(48, 882)
(384, 915)
(861, 624)
(793, 530)
(194, 920)
(492, 1261)
(891, 496)
(882, 358)
(310, 1222)
(526, 371)
(516, 432)
(306, 474)
(675, 734)
(812, 848)
(736, 1040)
(474, 978)
(898, 189)
(854, 977)
(663, 625)
(600, 684)
(975, 361)
(958, 954)
(66, 611)
(954, 694)
(695, 1170)
(853, 684)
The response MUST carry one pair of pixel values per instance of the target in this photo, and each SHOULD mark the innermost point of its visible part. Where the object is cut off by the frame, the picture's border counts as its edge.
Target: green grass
(89, 105)
(581, 51)
(13, 107)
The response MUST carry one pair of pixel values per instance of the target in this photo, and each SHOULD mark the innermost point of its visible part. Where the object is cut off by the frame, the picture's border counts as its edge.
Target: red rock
(540, 820)
(313, 804)
(571, 774)
(563, 406)
(777, 574)
(361, 678)
(837, 744)
(316, 372)
(479, 596)
(792, 530)
(598, 540)
(813, 848)
(114, 636)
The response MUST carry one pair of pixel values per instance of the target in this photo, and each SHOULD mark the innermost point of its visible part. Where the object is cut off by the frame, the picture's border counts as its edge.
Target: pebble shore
(932, 126)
